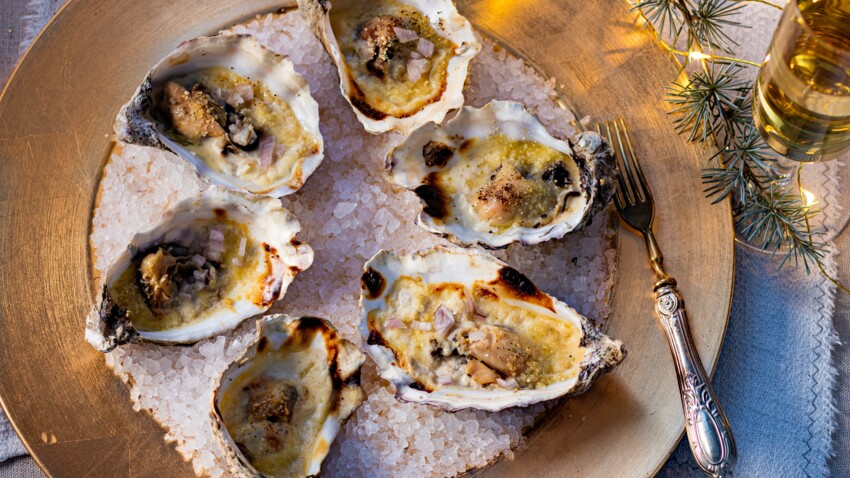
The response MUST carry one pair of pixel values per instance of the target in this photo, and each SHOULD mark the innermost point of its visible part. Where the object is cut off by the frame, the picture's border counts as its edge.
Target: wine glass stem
(785, 171)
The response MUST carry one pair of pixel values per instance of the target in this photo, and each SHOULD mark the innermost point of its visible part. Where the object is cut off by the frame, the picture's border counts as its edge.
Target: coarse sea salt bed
(347, 211)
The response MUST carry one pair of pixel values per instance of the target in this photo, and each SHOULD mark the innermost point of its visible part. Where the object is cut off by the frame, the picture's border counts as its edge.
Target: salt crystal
(343, 209)
(176, 383)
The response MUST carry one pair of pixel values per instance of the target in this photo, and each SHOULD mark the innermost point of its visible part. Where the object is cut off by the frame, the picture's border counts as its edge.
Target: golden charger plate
(56, 116)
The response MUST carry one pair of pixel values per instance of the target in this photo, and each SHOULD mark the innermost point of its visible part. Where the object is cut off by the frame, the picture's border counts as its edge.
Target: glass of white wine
(801, 99)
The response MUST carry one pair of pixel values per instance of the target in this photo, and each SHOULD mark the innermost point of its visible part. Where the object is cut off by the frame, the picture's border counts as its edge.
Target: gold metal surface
(709, 434)
(55, 126)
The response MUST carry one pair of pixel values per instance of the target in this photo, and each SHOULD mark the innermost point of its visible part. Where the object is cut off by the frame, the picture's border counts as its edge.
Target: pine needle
(715, 103)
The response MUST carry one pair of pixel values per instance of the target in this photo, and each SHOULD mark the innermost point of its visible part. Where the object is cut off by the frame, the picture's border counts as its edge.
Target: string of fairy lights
(695, 53)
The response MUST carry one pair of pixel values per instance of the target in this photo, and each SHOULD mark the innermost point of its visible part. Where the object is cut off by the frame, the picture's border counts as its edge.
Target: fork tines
(637, 189)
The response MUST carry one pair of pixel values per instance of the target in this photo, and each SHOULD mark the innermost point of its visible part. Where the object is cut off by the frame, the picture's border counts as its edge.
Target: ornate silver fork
(709, 433)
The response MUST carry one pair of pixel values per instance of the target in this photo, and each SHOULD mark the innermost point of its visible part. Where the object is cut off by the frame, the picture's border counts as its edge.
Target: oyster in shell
(459, 329)
(493, 176)
(401, 63)
(236, 111)
(209, 264)
(279, 407)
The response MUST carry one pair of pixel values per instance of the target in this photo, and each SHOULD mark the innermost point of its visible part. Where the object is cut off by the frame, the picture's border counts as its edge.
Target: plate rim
(55, 23)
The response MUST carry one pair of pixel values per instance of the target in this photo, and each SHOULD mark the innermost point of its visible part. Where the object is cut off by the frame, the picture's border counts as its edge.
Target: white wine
(802, 97)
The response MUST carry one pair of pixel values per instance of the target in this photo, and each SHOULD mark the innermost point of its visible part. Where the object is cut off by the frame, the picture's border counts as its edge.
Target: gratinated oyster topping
(492, 176)
(401, 62)
(170, 283)
(396, 60)
(237, 112)
(210, 263)
(279, 407)
(458, 329)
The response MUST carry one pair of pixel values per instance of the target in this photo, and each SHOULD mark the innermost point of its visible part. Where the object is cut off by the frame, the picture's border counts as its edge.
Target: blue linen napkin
(10, 445)
(775, 376)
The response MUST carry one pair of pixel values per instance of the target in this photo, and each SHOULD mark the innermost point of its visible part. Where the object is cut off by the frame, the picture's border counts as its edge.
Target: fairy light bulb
(697, 55)
(809, 198)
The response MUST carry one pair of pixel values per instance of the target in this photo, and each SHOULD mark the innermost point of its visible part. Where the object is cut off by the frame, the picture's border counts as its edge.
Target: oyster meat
(401, 63)
(279, 407)
(236, 111)
(211, 263)
(493, 176)
(459, 329)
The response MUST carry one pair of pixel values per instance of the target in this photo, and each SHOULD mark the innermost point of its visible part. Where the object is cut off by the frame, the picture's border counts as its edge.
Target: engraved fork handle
(708, 430)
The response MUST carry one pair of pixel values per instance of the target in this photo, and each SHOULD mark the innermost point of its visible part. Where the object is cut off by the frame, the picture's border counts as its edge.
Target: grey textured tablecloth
(782, 428)
(12, 25)
(11, 22)
(840, 464)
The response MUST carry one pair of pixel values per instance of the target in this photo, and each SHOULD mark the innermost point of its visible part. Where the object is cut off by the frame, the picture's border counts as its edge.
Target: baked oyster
(460, 329)
(208, 265)
(401, 63)
(493, 176)
(236, 111)
(278, 408)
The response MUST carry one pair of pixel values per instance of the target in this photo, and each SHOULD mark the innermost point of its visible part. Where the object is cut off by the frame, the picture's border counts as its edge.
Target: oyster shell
(493, 176)
(460, 329)
(236, 111)
(401, 63)
(209, 264)
(278, 408)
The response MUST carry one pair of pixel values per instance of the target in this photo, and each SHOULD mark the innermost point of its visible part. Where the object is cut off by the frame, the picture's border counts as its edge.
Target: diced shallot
(418, 325)
(242, 243)
(480, 316)
(242, 133)
(470, 303)
(243, 168)
(267, 145)
(365, 51)
(477, 335)
(216, 235)
(393, 323)
(200, 276)
(199, 260)
(425, 47)
(443, 319)
(280, 150)
(416, 68)
(241, 94)
(247, 92)
(444, 379)
(216, 244)
(405, 35)
(510, 383)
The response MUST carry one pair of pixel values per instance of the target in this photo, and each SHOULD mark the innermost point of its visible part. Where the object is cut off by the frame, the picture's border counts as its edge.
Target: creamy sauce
(275, 409)
(550, 349)
(270, 115)
(393, 96)
(509, 183)
(231, 270)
